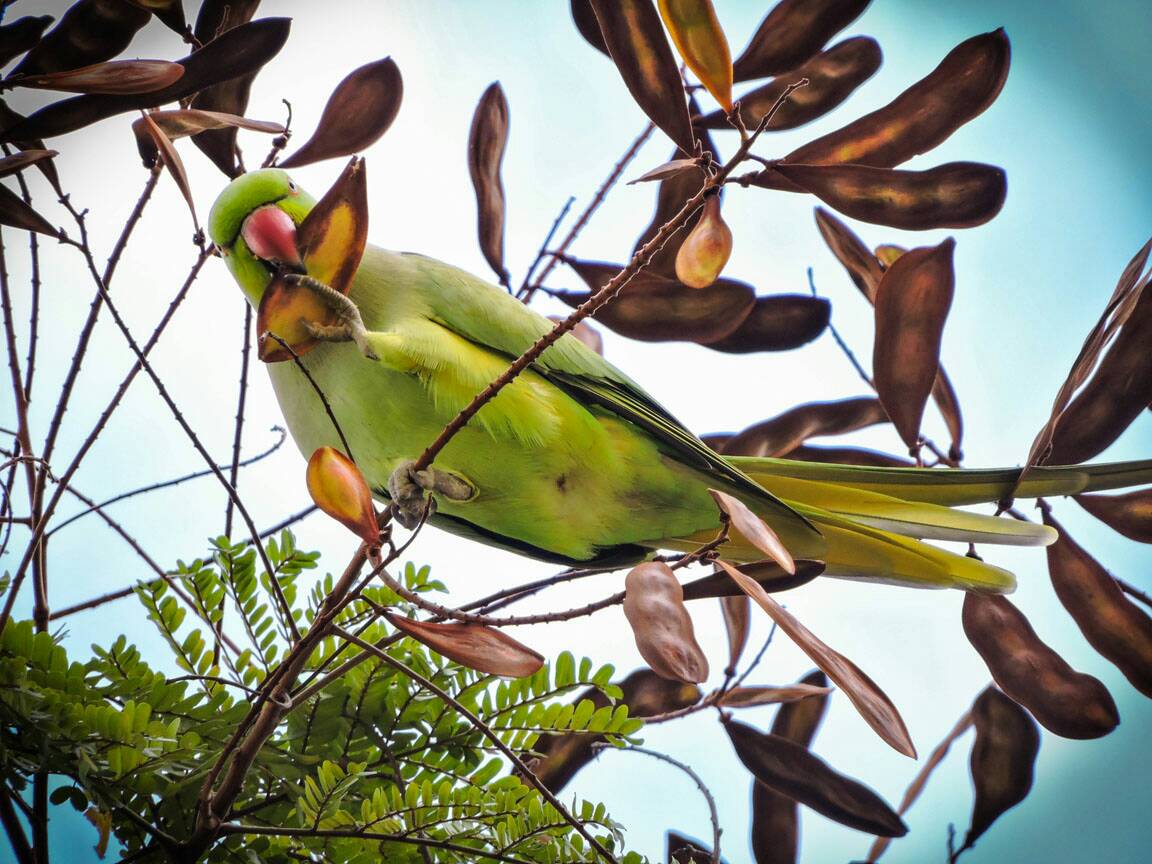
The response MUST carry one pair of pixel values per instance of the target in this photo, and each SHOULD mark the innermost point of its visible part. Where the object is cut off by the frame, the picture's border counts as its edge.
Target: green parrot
(573, 462)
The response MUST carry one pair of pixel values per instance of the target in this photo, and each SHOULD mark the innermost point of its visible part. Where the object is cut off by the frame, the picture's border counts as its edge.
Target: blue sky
(1071, 128)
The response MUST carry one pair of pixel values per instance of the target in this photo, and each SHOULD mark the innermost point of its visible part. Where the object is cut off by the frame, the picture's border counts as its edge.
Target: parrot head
(253, 224)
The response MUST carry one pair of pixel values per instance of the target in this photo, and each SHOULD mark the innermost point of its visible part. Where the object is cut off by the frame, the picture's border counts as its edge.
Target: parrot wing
(487, 316)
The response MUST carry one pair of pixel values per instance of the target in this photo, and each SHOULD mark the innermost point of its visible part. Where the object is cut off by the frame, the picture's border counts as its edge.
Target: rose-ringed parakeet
(573, 462)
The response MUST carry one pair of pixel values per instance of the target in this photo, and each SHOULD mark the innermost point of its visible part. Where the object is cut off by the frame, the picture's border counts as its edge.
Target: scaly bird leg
(351, 327)
(409, 489)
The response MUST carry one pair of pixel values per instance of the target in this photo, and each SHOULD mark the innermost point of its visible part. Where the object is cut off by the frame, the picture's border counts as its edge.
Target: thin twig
(319, 392)
(234, 469)
(543, 250)
(526, 293)
(288, 521)
(664, 757)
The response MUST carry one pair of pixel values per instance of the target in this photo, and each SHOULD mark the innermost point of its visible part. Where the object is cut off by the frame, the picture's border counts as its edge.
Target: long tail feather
(950, 487)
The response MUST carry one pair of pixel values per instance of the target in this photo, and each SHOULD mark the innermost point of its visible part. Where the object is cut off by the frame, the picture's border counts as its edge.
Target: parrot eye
(291, 186)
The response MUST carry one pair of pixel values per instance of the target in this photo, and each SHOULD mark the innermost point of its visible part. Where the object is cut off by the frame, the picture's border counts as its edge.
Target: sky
(1071, 129)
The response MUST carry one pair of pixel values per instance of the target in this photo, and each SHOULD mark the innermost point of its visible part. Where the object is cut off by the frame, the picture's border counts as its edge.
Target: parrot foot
(410, 491)
(351, 327)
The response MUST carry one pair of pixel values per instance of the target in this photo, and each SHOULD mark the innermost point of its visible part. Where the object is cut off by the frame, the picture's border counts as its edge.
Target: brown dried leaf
(791, 33)
(635, 40)
(90, 31)
(653, 308)
(21, 35)
(921, 780)
(228, 97)
(780, 322)
(118, 77)
(754, 529)
(799, 721)
(487, 141)
(770, 575)
(644, 692)
(172, 161)
(589, 27)
(182, 122)
(238, 52)
(1064, 701)
(667, 169)
(736, 620)
(750, 697)
(955, 195)
(358, 112)
(912, 303)
(1130, 514)
(700, 39)
(484, 649)
(862, 266)
(785, 432)
(19, 161)
(965, 83)
(792, 770)
(1003, 759)
(654, 607)
(14, 212)
(870, 701)
(1117, 628)
(832, 77)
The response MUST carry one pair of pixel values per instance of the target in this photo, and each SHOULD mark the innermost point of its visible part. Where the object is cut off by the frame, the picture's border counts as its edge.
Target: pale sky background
(1072, 129)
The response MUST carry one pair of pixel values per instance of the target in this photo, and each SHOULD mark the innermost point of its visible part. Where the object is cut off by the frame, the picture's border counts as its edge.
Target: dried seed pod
(1130, 514)
(654, 606)
(1064, 701)
(340, 490)
(754, 529)
(792, 32)
(586, 23)
(768, 574)
(15, 212)
(476, 646)
(848, 456)
(785, 432)
(750, 697)
(1115, 626)
(792, 770)
(736, 611)
(634, 36)
(89, 32)
(863, 268)
(832, 77)
(21, 35)
(360, 110)
(780, 322)
(955, 195)
(706, 249)
(1003, 759)
(487, 141)
(912, 303)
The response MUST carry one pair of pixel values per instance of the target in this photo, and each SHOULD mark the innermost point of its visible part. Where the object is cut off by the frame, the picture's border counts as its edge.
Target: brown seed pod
(91, 31)
(654, 606)
(487, 141)
(1064, 701)
(1130, 514)
(780, 322)
(912, 303)
(792, 770)
(791, 33)
(634, 36)
(476, 646)
(955, 195)
(785, 432)
(1003, 759)
(21, 35)
(768, 574)
(1115, 626)
(832, 77)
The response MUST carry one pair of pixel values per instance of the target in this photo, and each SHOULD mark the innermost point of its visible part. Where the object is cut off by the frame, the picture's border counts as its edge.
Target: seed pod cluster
(654, 606)
(1118, 629)
(1064, 701)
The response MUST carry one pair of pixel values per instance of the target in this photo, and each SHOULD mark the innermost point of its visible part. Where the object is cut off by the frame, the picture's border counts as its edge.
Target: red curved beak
(271, 235)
